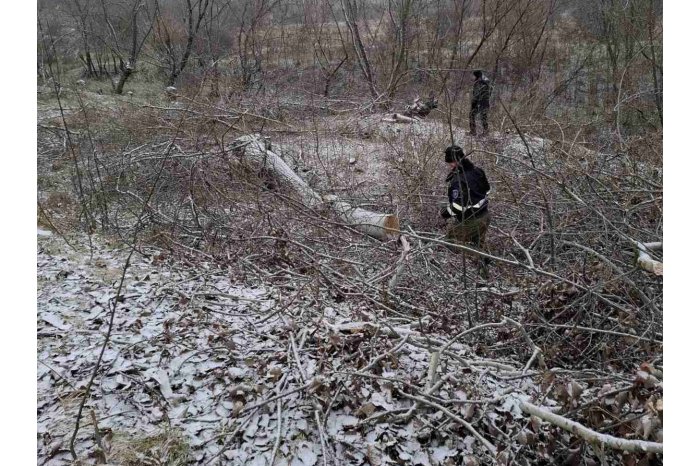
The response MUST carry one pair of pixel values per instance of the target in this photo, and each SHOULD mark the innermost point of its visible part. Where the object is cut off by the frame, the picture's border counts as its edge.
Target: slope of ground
(254, 309)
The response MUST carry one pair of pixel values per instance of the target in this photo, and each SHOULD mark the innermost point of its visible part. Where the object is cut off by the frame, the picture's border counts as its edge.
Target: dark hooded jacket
(467, 190)
(481, 93)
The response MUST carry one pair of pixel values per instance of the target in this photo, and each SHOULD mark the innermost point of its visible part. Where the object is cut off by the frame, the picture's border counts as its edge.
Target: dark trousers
(483, 111)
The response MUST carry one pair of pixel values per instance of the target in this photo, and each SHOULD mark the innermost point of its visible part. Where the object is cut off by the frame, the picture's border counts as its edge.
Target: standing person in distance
(467, 193)
(481, 101)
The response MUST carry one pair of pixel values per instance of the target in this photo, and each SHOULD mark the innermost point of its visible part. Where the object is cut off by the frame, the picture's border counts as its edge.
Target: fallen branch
(536, 351)
(470, 330)
(401, 263)
(450, 414)
(309, 384)
(432, 369)
(398, 118)
(621, 273)
(589, 435)
(385, 354)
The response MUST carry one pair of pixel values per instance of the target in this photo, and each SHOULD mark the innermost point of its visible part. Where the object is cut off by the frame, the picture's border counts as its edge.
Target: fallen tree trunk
(399, 118)
(645, 261)
(375, 224)
(413, 113)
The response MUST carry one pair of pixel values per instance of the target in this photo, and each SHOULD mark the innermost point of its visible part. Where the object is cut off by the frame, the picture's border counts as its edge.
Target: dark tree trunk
(192, 29)
(123, 77)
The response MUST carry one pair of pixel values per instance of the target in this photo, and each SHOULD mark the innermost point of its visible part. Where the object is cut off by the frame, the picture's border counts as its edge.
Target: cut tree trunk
(414, 112)
(645, 261)
(256, 152)
(399, 118)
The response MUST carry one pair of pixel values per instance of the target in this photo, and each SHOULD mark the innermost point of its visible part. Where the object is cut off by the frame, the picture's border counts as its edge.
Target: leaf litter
(191, 352)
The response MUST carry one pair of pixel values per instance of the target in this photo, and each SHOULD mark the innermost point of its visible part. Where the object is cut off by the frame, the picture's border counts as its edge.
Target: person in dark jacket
(467, 196)
(481, 101)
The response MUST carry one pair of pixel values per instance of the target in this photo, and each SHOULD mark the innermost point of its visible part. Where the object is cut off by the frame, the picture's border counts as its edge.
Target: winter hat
(478, 73)
(453, 154)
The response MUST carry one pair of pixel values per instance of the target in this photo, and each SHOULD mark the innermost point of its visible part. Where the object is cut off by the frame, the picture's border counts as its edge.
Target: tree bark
(123, 76)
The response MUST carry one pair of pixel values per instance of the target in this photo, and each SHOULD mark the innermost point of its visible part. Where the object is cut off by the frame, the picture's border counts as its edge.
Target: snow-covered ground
(196, 353)
(169, 362)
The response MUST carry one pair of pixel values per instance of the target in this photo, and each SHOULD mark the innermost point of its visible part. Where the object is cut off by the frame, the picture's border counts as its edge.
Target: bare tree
(128, 24)
(316, 16)
(81, 14)
(350, 13)
(250, 16)
(168, 38)
(400, 25)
